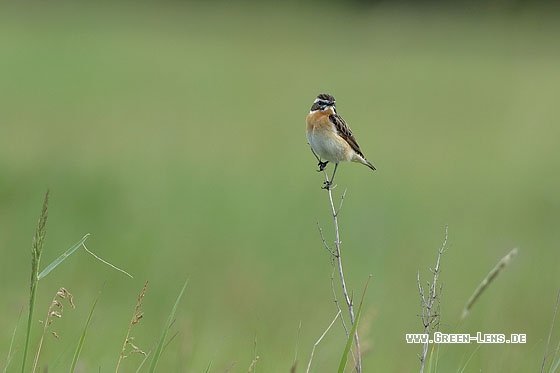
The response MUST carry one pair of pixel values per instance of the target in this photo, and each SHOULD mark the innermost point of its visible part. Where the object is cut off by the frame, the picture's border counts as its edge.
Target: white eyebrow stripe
(323, 100)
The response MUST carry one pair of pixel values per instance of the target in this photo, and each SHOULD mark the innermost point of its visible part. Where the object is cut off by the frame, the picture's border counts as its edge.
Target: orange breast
(319, 121)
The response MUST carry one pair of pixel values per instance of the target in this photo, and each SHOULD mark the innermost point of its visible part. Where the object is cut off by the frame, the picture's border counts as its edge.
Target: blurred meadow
(174, 133)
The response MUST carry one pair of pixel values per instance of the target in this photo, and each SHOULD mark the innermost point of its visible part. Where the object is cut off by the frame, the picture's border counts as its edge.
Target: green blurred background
(174, 134)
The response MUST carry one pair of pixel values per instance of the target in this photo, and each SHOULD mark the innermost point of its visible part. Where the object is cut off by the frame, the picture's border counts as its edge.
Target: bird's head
(323, 102)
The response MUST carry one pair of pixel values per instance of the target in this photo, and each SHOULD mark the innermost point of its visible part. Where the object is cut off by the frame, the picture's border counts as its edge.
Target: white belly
(328, 146)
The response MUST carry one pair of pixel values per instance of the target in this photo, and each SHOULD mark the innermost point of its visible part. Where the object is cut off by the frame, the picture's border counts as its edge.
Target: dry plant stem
(338, 304)
(320, 339)
(335, 297)
(55, 310)
(253, 363)
(488, 280)
(338, 258)
(136, 317)
(430, 315)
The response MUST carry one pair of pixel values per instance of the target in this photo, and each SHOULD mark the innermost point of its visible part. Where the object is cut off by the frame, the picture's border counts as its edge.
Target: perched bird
(330, 138)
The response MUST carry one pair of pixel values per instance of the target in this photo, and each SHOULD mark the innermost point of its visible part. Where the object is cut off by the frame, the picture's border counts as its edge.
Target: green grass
(163, 339)
(82, 339)
(351, 336)
(36, 251)
(174, 135)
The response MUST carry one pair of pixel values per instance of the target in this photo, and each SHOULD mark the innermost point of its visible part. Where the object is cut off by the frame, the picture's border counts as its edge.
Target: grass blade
(61, 258)
(159, 347)
(555, 367)
(344, 358)
(550, 333)
(470, 358)
(10, 352)
(83, 336)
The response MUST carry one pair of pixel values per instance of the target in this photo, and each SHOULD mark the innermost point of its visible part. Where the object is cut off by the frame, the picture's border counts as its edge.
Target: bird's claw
(327, 185)
(322, 165)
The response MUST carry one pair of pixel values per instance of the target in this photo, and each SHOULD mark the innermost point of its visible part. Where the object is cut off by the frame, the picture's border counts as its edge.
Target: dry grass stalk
(431, 301)
(55, 311)
(253, 363)
(136, 317)
(488, 280)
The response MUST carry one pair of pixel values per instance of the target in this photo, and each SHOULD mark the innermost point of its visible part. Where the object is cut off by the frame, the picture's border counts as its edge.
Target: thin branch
(324, 241)
(320, 339)
(336, 302)
(338, 258)
(341, 201)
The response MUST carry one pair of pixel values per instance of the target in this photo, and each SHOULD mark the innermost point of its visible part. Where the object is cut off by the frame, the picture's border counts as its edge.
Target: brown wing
(345, 132)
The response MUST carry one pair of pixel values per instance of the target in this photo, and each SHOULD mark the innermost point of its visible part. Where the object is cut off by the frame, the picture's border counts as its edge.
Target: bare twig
(341, 201)
(320, 339)
(430, 309)
(327, 247)
(337, 255)
(550, 331)
(336, 301)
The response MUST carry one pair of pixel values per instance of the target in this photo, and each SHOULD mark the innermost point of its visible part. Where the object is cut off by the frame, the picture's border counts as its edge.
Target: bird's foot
(322, 165)
(328, 185)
